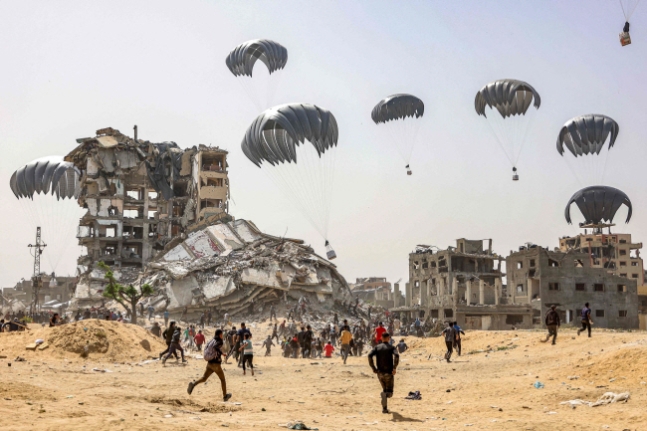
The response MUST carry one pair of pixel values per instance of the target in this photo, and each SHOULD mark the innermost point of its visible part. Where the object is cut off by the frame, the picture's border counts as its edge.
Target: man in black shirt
(308, 336)
(450, 334)
(240, 336)
(387, 362)
(214, 366)
(552, 323)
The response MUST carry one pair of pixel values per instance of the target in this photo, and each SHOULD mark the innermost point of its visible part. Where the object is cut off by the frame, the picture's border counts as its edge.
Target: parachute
(510, 124)
(47, 189)
(598, 204)
(261, 85)
(294, 144)
(400, 113)
(585, 137)
(628, 9)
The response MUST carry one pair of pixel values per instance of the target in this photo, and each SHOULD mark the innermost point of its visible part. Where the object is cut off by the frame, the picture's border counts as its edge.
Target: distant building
(462, 283)
(568, 279)
(56, 290)
(613, 252)
(373, 290)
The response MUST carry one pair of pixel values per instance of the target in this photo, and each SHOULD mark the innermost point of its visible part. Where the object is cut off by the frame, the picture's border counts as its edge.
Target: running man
(586, 320)
(450, 336)
(345, 340)
(199, 340)
(457, 339)
(552, 323)
(268, 345)
(168, 335)
(247, 352)
(378, 332)
(387, 362)
(213, 365)
(175, 345)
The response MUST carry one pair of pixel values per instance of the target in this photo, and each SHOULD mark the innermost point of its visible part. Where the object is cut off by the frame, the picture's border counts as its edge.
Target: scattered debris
(414, 396)
(538, 385)
(607, 398)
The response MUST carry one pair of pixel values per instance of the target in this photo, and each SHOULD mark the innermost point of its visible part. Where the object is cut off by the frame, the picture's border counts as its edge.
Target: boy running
(247, 353)
(214, 366)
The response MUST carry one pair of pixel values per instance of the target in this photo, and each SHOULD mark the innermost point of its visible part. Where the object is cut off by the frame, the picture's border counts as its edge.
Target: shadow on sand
(397, 417)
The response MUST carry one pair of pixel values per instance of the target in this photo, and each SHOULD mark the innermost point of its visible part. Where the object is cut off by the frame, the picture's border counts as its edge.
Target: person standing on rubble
(273, 313)
(586, 320)
(387, 363)
(268, 345)
(175, 345)
(552, 324)
(450, 335)
(213, 355)
(168, 336)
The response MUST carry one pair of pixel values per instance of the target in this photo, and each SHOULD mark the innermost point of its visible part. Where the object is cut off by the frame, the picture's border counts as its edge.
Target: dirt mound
(628, 362)
(114, 340)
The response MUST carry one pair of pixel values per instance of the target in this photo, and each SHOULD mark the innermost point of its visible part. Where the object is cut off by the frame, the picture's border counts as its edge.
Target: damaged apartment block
(139, 195)
(158, 214)
(464, 284)
(602, 270)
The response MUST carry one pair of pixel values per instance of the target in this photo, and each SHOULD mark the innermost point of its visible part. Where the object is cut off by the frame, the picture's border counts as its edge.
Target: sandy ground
(486, 388)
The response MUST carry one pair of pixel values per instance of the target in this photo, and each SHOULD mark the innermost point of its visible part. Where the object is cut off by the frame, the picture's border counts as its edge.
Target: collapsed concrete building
(462, 283)
(159, 214)
(232, 266)
(139, 195)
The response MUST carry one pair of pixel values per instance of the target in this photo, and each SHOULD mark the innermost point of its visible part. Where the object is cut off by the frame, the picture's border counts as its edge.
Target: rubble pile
(234, 267)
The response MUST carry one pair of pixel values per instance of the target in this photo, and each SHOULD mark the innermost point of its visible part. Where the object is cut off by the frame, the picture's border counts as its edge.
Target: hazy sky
(70, 68)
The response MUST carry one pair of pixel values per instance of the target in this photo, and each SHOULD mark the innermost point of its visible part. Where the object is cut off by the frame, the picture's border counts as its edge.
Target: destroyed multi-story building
(159, 214)
(613, 252)
(462, 283)
(568, 279)
(374, 290)
(140, 194)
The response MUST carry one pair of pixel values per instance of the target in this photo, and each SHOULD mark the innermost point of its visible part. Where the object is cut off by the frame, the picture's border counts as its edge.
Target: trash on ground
(607, 398)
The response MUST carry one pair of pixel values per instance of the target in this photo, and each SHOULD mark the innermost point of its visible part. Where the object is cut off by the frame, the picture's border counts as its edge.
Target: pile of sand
(112, 340)
(627, 362)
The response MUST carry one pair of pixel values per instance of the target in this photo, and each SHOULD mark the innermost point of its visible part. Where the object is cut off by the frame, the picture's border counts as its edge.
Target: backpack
(211, 351)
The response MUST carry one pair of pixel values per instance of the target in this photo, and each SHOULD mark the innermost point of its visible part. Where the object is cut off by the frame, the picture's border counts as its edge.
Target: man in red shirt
(378, 333)
(328, 349)
(199, 340)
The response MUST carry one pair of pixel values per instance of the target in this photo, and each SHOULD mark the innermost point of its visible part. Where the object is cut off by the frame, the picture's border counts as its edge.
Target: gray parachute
(241, 60)
(508, 96)
(274, 135)
(46, 175)
(397, 106)
(587, 134)
(598, 204)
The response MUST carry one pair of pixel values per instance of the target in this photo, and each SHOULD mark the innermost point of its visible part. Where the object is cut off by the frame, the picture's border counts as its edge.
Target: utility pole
(37, 280)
